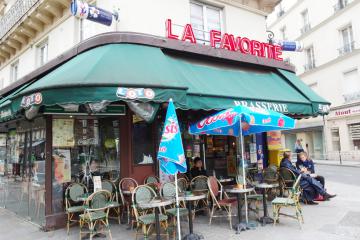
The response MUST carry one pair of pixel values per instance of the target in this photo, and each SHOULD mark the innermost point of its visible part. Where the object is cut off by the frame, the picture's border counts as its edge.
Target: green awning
(126, 71)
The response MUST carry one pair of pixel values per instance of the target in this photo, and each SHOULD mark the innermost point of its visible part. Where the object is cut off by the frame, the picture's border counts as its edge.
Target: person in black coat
(304, 162)
(311, 187)
(198, 169)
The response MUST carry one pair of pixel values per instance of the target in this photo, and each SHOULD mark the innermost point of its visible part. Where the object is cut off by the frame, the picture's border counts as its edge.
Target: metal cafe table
(156, 204)
(190, 198)
(239, 191)
(264, 186)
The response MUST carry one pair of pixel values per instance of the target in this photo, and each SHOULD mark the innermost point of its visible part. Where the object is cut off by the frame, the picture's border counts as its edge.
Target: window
(335, 137)
(354, 130)
(14, 71)
(340, 5)
(43, 53)
(203, 19)
(305, 21)
(143, 141)
(283, 33)
(281, 10)
(347, 40)
(351, 85)
(309, 58)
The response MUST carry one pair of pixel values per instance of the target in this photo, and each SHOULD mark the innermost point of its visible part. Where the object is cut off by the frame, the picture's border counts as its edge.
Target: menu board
(63, 133)
(97, 183)
(86, 132)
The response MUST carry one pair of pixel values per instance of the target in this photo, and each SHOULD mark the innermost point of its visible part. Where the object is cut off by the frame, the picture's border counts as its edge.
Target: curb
(338, 164)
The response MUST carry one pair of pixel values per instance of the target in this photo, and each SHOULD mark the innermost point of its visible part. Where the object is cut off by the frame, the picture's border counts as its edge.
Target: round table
(190, 199)
(239, 191)
(156, 203)
(225, 180)
(264, 186)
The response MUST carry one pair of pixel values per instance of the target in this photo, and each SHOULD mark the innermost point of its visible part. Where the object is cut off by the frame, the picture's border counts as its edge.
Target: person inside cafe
(305, 164)
(198, 168)
(311, 187)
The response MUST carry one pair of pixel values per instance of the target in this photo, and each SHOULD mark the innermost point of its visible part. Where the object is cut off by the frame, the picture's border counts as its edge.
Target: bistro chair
(128, 185)
(72, 207)
(271, 176)
(199, 184)
(287, 179)
(151, 179)
(145, 218)
(291, 201)
(220, 199)
(96, 214)
(114, 202)
(182, 184)
(168, 190)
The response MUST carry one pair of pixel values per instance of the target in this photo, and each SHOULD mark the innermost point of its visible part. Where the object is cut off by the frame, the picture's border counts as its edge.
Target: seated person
(307, 166)
(311, 187)
(198, 169)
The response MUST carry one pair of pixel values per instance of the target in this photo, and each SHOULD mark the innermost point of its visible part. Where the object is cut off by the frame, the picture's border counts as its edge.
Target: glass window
(347, 40)
(309, 58)
(335, 137)
(204, 18)
(43, 53)
(143, 141)
(14, 71)
(351, 85)
(84, 148)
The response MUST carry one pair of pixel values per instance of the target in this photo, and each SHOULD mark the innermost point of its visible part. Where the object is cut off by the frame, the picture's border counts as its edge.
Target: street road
(339, 174)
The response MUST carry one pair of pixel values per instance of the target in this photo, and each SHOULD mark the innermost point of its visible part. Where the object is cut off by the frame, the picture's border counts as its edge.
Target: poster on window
(86, 132)
(62, 165)
(97, 183)
(63, 133)
(274, 140)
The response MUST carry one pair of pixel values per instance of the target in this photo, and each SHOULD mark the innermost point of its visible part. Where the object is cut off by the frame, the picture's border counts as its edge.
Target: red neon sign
(229, 42)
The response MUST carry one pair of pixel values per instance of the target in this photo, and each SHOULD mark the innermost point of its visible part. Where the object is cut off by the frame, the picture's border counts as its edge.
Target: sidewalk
(338, 219)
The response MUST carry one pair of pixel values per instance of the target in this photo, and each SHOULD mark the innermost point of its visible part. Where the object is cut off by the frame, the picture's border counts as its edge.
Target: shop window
(335, 137)
(355, 135)
(83, 148)
(204, 18)
(351, 85)
(143, 141)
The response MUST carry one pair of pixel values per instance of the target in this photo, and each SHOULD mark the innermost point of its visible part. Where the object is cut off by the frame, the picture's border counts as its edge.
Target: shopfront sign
(345, 112)
(277, 107)
(30, 100)
(228, 41)
(83, 10)
(112, 109)
(135, 93)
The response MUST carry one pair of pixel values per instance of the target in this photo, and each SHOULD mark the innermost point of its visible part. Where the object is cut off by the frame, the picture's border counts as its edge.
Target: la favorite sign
(229, 42)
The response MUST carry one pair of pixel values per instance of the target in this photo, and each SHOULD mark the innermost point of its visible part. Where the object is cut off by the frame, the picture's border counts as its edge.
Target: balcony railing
(351, 97)
(309, 66)
(15, 13)
(347, 48)
(305, 28)
(340, 5)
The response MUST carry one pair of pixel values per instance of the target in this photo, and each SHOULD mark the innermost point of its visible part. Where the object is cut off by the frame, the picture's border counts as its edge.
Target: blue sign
(291, 46)
(83, 10)
(171, 152)
(251, 120)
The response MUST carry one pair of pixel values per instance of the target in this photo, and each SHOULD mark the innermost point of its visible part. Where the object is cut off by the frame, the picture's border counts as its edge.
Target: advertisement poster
(231, 165)
(274, 140)
(253, 155)
(62, 163)
(97, 183)
(63, 133)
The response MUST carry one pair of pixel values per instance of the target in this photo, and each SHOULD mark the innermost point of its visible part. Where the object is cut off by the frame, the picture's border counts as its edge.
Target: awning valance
(132, 72)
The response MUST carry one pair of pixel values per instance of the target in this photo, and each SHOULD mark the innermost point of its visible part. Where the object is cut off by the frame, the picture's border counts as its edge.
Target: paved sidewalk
(336, 219)
(337, 163)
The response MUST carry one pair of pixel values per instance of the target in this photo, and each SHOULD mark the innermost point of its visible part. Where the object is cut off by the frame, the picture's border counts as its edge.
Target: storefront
(100, 107)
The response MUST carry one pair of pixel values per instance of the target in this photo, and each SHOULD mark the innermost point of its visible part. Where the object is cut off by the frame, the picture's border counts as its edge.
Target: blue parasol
(171, 152)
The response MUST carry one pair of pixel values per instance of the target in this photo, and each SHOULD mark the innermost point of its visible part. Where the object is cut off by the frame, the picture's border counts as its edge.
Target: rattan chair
(287, 180)
(168, 190)
(72, 207)
(151, 179)
(220, 199)
(115, 204)
(199, 184)
(127, 184)
(182, 184)
(292, 201)
(145, 218)
(96, 214)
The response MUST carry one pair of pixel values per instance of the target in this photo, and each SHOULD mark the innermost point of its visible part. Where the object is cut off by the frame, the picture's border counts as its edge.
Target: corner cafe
(104, 102)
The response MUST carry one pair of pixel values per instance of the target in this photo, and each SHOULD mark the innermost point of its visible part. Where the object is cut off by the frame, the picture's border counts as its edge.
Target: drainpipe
(324, 139)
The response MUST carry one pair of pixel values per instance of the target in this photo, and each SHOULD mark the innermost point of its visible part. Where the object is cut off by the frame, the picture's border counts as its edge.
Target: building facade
(329, 63)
